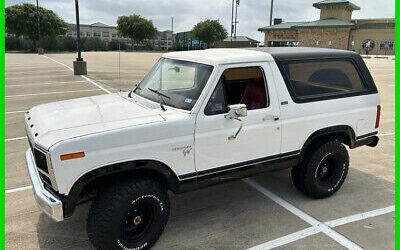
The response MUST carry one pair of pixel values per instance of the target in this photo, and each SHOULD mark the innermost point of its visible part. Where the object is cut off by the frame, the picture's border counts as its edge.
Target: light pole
(270, 13)
(237, 4)
(80, 67)
(40, 50)
(233, 6)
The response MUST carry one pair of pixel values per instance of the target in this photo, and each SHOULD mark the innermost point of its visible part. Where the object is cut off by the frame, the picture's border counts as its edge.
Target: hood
(49, 123)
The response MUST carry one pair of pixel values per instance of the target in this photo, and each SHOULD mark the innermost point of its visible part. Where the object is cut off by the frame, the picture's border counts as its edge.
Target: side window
(313, 79)
(217, 102)
(238, 86)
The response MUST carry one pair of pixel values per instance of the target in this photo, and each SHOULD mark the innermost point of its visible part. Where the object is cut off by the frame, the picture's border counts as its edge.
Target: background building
(335, 29)
(163, 40)
(237, 42)
(100, 30)
(184, 41)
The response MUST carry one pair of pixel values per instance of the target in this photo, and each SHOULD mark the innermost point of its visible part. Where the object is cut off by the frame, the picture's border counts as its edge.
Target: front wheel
(323, 170)
(130, 215)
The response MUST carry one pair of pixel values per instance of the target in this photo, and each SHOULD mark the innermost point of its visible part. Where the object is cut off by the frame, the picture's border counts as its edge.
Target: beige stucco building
(335, 29)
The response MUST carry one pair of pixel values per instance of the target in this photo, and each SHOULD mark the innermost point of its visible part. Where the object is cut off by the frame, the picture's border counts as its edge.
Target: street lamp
(80, 67)
(270, 13)
(40, 50)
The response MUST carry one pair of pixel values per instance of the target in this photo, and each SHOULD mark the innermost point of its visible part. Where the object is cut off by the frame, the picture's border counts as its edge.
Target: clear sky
(252, 14)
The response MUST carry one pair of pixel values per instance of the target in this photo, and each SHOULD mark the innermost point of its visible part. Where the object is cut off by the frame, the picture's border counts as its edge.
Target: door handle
(271, 117)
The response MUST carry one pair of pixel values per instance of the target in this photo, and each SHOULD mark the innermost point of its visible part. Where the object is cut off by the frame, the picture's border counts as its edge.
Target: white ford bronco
(196, 119)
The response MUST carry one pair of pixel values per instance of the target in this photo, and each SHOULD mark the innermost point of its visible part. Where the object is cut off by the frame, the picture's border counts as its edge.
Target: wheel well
(343, 134)
(114, 178)
(86, 187)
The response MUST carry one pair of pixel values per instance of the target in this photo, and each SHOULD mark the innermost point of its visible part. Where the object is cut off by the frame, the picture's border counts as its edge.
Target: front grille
(40, 160)
(46, 180)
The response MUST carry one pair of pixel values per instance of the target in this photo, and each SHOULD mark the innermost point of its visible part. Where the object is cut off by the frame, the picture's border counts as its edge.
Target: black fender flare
(151, 168)
(344, 133)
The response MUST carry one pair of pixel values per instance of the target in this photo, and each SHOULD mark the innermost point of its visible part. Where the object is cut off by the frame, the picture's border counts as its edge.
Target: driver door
(258, 135)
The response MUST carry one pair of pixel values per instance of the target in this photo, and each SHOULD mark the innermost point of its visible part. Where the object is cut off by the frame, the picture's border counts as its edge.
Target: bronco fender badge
(185, 149)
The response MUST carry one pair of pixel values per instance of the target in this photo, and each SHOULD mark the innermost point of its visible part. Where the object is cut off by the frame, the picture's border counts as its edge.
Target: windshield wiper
(161, 95)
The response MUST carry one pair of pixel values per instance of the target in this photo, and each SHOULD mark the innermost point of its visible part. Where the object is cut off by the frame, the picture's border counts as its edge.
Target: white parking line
(95, 84)
(287, 239)
(39, 84)
(15, 112)
(314, 230)
(309, 219)
(16, 138)
(84, 77)
(386, 134)
(49, 93)
(360, 216)
(29, 76)
(17, 189)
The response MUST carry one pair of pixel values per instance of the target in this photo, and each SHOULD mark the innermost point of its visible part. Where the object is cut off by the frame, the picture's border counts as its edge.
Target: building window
(88, 34)
(106, 34)
(96, 34)
(114, 35)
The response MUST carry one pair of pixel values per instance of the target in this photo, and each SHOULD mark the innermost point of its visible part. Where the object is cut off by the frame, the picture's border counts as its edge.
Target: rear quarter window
(313, 80)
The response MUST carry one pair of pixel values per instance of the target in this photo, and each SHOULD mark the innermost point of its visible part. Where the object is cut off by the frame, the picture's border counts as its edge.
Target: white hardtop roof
(220, 56)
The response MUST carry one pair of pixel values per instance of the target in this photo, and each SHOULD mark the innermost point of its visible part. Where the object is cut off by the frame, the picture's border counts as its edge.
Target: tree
(209, 31)
(136, 28)
(21, 20)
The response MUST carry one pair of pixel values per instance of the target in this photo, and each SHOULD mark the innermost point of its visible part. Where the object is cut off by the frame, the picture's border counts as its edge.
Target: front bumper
(47, 202)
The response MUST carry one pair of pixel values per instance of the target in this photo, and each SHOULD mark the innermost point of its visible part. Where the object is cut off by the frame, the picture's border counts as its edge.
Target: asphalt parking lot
(262, 212)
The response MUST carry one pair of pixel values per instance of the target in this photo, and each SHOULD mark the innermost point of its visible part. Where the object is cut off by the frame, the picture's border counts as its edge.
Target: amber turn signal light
(72, 156)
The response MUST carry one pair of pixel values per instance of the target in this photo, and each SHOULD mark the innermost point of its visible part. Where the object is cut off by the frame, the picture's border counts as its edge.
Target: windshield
(175, 83)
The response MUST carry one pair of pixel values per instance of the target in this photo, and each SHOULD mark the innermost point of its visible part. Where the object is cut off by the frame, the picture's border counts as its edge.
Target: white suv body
(110, 133)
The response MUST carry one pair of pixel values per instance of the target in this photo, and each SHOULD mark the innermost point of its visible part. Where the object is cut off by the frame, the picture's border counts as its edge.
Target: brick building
(335, 29)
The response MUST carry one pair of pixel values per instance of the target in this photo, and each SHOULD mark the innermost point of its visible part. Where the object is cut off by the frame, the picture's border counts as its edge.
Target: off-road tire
(311, 176)
(111, 209)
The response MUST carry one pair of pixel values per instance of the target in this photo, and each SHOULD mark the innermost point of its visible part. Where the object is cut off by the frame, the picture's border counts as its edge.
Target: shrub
(67, 43)
(17, 43)
(94, 43)
(115, 45)
(49, 44)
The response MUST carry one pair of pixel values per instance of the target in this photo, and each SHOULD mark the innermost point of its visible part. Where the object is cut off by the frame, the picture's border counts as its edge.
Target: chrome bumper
(47, 202)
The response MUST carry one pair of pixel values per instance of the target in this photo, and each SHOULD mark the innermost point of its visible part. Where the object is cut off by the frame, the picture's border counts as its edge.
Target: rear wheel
(130, 215)
(323, 170)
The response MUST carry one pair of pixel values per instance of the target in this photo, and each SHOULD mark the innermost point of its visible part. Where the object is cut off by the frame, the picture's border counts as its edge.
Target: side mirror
(236, 111)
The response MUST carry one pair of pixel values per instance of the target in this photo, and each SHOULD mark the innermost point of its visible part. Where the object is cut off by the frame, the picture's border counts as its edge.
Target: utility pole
(166, 33)
(79, 65)
(270, 13)
(237, 4)
(233, 4)
(40, 50)
(172, 29)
